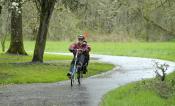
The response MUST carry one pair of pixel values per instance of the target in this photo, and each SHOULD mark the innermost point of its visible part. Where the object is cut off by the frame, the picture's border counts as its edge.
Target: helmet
(81, 37)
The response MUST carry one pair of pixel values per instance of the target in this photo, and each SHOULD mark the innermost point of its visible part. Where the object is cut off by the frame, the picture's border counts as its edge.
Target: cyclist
(82, 48)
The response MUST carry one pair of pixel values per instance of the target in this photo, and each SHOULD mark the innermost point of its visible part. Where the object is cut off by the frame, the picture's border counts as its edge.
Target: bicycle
(76, 69)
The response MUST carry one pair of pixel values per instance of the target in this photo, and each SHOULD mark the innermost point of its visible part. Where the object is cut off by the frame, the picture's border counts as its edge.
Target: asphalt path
(90, 93)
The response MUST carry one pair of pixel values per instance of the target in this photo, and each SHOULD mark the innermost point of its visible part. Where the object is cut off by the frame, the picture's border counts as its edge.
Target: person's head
(81, 38)
(84, 42)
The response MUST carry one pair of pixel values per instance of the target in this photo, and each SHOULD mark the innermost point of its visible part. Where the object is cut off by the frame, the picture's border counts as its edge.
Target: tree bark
(47, 8)
(16, 43)
(0, 9)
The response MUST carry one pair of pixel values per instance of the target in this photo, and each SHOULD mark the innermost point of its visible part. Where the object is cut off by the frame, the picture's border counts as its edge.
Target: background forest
(104, 20)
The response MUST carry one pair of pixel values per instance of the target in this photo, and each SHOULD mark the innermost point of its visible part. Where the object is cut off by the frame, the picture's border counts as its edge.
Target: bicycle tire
(72, 80)
(79, 77)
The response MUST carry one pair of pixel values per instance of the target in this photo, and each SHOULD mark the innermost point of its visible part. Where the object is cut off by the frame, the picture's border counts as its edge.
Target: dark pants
(82, 61)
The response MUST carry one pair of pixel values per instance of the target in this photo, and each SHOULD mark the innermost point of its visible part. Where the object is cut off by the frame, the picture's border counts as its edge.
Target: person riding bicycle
(83, 49)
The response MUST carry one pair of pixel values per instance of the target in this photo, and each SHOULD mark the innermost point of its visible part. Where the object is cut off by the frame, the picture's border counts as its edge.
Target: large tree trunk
(47, 8)
(16, 43)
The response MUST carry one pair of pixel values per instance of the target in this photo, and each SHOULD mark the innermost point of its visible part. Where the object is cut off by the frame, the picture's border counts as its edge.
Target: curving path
(89, 93)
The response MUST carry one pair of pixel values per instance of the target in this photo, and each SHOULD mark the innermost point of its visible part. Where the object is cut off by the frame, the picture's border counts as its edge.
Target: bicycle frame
(75, 68)
(79, 75)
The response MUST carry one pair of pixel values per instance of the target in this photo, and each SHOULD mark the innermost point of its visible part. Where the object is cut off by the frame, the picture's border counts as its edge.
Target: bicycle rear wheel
(79, 77)
(72, 80)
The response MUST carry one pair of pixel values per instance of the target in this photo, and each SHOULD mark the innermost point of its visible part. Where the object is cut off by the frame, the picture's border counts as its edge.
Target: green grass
(162, 50)
(35, 73)
(5, 58)
(143, 93)
(18, 69)
(97, 68)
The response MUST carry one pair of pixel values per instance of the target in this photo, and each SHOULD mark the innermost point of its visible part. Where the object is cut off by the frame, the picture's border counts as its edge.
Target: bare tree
(160, 70)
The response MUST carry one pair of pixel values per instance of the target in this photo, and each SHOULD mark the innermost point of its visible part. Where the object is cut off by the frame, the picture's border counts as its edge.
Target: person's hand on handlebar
(79, 50)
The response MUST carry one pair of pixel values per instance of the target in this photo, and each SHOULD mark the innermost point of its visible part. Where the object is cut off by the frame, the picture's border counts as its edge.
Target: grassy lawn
(18, 69)
(143, 93)
(162, 50)
(4, 58)
(51, 72)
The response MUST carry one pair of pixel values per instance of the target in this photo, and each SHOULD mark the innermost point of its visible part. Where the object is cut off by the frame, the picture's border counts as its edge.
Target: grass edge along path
(149, 92)
(18, 70)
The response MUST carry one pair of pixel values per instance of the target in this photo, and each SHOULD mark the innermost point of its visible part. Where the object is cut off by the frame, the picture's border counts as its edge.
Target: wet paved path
(89, 93)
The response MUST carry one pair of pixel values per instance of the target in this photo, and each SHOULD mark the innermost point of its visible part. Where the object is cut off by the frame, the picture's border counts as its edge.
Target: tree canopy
(147, 20)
